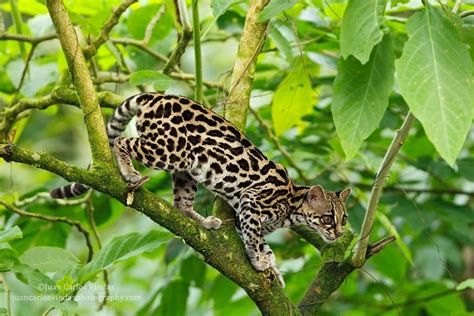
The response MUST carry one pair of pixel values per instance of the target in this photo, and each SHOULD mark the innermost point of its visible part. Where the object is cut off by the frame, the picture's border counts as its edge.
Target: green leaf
(361, 96)
(48, 259)
(3, 311)
(466, 168)
(435, 78)
(66, 285)
(273, 8)
(466, 284)
(360, 28)
(11, 234)
(193, 269)
(41, 282)
(8, 258)
(160, 81)
(121, 248)
(293, 99)
(281, 43)
(173, 301)
(219, 7)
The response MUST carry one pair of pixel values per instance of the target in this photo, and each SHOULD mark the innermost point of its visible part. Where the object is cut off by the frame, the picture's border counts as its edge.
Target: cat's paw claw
(135, 183)
(211, 222)
(277, 273)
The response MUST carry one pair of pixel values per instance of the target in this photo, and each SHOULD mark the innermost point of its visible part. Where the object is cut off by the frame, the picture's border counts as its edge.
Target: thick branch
(82, 81)
(250, 45)
(359, 257)
(222, 249)
(330, 277)
(238, 100)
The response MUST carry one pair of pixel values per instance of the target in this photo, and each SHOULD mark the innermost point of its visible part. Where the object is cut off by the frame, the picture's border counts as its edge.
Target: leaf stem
(197, 51)
(359, 257)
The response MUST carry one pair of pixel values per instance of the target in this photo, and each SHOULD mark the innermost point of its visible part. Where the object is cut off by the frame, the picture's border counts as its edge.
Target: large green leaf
(10, 234)
(121, 248)
(219, 7)
(48, 259)
(361, 96)
(158, 79)
(8, 258)
(293, 99)
(435, 78)
(360, 29)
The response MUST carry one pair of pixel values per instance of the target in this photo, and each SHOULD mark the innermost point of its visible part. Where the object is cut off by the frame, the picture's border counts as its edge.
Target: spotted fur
(197, 145)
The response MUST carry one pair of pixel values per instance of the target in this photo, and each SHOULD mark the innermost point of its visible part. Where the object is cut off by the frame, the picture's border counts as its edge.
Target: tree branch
(183, 42)
(105, 31)
(222, 249)
(330, 277)
(359, 257)
(28, 39)
(238, 101)
(85, 89)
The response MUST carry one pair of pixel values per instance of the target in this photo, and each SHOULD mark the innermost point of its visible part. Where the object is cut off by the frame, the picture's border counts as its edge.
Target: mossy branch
(221, 249)
(238, 99)
(81, 79)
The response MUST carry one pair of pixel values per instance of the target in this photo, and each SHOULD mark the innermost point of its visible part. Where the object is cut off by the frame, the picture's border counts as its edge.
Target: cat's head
(325, 211)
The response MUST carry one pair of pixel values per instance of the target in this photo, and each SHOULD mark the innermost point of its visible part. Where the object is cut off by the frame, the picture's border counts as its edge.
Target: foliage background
(427, 203)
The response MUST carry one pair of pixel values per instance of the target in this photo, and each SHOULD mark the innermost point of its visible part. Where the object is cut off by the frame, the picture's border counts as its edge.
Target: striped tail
(116, 125)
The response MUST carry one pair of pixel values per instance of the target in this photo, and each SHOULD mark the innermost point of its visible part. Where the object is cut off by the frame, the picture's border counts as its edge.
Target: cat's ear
(316, 193)
(344, 194)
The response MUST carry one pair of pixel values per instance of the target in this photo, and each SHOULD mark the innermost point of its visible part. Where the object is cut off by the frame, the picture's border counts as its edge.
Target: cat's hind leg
(124, 149)
(184, 191)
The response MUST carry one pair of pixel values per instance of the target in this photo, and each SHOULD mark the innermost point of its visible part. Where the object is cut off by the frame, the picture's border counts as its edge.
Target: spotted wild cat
(198, 146)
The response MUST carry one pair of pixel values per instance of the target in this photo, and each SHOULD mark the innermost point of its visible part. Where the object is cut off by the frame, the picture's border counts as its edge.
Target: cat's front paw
(211, 222)
(260, 261)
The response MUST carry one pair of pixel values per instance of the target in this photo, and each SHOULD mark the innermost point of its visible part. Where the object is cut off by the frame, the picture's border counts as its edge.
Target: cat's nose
(338, 234)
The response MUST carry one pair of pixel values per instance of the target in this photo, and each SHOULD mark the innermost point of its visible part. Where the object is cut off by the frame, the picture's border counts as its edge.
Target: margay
(198, 146)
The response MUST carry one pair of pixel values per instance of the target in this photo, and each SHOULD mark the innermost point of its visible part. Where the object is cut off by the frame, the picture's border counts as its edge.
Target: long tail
(116, 125)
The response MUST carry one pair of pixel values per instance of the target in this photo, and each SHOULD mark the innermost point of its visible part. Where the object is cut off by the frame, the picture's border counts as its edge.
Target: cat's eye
(344, 220)
(327, 219)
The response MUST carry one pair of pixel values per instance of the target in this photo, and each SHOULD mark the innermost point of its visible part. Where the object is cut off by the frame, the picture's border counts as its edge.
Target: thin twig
(466, 13)
(111, 22)
(24, 72)
(418, 300)
(54, 219)
(197, 51)
(183, 41)
(359, 257)
(415, 190)
(139, 44)
(28, 39)
(151, 25)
